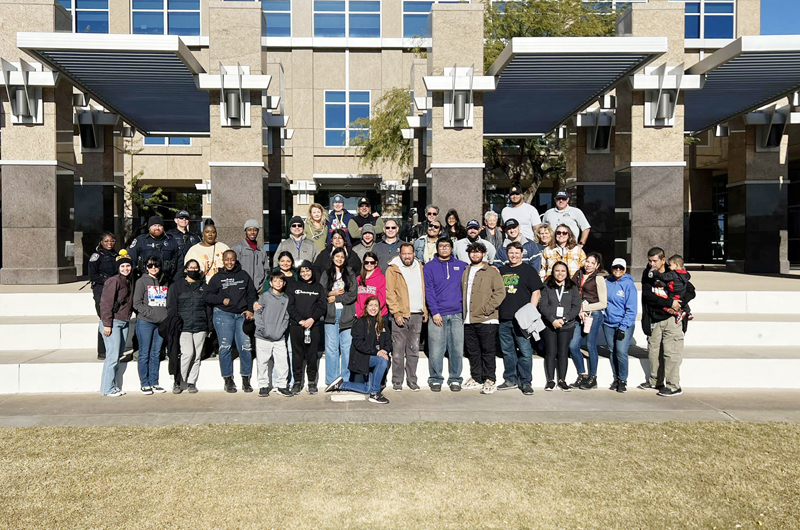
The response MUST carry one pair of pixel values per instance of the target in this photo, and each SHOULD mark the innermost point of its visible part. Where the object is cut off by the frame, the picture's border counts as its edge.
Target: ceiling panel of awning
(545, 80)
(148, 80)
(747, 74)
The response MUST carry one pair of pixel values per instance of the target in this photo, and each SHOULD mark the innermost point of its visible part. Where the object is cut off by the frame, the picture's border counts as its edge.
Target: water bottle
(307, 336)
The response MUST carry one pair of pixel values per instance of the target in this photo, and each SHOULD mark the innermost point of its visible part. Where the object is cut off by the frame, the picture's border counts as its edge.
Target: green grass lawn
(425, 475)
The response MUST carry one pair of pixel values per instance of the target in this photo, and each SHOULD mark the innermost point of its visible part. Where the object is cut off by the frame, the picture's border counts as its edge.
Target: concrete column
(38, 166)
(456, 171)
(649, 161)
(237, 163)
(594, 193)
(757, 200)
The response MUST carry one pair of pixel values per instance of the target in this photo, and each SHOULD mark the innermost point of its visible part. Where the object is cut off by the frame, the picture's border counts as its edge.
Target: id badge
(559, 312)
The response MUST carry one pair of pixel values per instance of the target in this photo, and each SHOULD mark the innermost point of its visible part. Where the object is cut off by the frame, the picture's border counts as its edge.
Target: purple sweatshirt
(443, 285)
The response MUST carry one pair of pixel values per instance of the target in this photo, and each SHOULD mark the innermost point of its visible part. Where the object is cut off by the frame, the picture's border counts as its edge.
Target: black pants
(304, 355)
(556, 346)
(97, 292)
(479, 348)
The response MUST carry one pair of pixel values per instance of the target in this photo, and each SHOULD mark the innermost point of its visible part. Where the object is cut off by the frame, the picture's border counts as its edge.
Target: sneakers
(378, 398)
(646, 386)
(297, 388)
(507, 386)
(414, 387)
(263, 392)
(550, 385)
(471, 384)
(128, 357)
(312, 389)
(614, 385)
(397, 387)
(158, 390)
(589, 383)
(285, 392)
(455, 387)
(246, 383)
(579, 381)
(527, 390)
(679, 316)
(669, 392)
(335, 385)
(230, 386)
(115, 393)
(488, 387)
(564, 386)
(176, 388)
(192, 389)
(436, 387)
(622, 387)
(147, 391)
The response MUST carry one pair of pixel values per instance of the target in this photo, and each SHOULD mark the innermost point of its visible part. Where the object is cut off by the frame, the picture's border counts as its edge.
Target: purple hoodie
(443, 285)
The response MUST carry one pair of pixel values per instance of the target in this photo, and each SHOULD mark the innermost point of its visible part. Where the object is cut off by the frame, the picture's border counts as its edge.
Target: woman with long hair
(339, 239)
(316, 226)
(150, 304)
(372, 346)
(341, 290)
(559, 306)
(453, 227)
(566, 250)
(371, 282)
(102, 266)
(116, 307)
(591, 282)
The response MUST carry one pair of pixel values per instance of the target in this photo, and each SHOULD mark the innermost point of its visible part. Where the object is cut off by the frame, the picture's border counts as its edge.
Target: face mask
(195, 275)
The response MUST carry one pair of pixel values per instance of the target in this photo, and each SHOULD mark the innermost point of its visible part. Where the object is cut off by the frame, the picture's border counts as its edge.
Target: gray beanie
(251, 223)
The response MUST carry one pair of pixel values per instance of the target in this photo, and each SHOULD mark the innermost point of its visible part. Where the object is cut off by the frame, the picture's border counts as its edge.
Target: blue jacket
(443, 285)
(333, 224)
(531, 254)
(622, 302)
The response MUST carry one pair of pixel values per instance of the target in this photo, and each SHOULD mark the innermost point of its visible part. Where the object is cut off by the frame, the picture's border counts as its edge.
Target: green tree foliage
(383, 140)
(139, 197)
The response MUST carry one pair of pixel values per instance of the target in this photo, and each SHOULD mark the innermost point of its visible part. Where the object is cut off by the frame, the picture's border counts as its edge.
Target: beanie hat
(123, 258)
(251, 223)
(154, 220)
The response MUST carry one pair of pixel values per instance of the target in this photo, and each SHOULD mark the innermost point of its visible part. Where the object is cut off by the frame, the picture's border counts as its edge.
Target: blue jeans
(517, 367)
(378, 366)
(619, 352)
(337, 351)
(449, 336)
(591, 344)
(229, 328)
(149, 352)
(115, 346)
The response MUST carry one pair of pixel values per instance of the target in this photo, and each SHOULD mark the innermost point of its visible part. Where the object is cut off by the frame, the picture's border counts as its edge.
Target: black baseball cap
(511, 223)
(515, 190)
(183, 214)
(473, 224)
(562, 194)
(362, 201)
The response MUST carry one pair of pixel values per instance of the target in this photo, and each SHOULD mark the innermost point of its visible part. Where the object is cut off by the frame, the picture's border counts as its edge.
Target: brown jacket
(488, 292)
(116, 290)
(397, 291)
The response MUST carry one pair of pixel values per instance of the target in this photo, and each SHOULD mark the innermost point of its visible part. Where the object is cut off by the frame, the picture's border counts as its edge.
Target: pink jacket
(376, 286)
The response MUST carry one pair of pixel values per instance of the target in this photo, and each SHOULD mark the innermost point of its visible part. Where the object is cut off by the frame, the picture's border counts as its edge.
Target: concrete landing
(600, 405)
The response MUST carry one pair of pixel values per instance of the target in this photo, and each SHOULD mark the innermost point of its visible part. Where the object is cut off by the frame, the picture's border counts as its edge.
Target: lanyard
(298, 244)
(560, 294)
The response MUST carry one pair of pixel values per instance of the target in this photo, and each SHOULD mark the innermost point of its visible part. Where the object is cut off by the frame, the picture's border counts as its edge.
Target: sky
(780, 17)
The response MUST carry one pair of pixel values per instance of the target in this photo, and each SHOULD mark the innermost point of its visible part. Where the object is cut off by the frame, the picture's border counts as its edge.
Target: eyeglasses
(297, 225)
(370, 262)
(562, 233)
(152, 266)
(390, 228)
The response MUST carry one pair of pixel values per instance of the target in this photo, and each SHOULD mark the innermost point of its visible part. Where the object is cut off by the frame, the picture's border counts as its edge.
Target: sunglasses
(430, 213)
(562, 233)
(297, 225)
(370, 262)
(390, 228)
(437, 227)
(561, 199)
(618, 268)
(152, 266)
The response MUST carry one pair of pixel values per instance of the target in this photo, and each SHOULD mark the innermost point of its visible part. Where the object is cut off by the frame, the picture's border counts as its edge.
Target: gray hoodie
(253, 262)
(272, 320)
(150, 300)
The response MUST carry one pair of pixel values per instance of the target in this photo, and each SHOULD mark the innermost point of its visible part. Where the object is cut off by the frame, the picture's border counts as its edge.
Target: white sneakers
(471, 385)
(488, 387)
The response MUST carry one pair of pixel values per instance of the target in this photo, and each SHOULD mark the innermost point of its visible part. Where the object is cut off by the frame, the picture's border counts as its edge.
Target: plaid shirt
(574, 258)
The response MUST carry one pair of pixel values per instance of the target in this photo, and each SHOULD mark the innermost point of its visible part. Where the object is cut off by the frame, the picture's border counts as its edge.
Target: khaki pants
(666, 336)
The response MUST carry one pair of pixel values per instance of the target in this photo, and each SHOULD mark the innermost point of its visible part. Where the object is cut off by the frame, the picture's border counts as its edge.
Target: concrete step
(47, 303)
(48, 371)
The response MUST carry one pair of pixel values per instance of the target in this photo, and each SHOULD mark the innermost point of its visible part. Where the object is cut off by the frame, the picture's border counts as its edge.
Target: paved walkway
(577, 406)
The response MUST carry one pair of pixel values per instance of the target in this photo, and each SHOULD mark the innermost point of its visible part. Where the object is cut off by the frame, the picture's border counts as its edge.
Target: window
(181, 17)
(415, 17)
(278, 15)
(347, 18)
(610, 6)
(173, 140)
(341, 110)
(709, 19)
(88, 16)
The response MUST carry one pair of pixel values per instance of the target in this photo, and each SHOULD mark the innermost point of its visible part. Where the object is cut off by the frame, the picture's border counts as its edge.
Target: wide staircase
(738, 339)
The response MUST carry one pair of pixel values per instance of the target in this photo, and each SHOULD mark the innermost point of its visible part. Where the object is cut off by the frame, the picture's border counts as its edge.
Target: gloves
(619, 334)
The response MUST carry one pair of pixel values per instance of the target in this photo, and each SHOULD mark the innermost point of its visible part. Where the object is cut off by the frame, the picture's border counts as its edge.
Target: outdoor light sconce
(722, 131)
(234, 84)
(771, 123)
(91, 124)
(662, 86)
(598, 124)
(24, 82)
(458, 85)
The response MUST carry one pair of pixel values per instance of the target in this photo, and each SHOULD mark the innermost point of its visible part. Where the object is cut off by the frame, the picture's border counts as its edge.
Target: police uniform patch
(133, 243)
(94, 257)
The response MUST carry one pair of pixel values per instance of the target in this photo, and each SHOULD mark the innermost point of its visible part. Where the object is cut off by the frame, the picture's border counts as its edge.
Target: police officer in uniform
(102, 265)
(155, 243)
(185, 239)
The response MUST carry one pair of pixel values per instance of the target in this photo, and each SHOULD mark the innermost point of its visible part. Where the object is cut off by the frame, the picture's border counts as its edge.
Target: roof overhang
(745, 75)
(544, 81)
(149, 80)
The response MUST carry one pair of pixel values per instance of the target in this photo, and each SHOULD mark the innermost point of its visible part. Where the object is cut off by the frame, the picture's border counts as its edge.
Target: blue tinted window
(365, 7)
(358, 112)
(341, 111)
(693, 7)
(415, 26)
(327, 5)
(328, 25)
(365, 26)
(66, 3)
(359, 97)
(334, 97)
(718, 27)
(148, 4)
(184, 23)
(278, 25)
(719, 8)
(184, 5)
(334, 138)
(335, 116)
(91, 22)
(180, 140)
(276, 5)
(148, 23)
(154, 140)
(417, 7)
(358, 135)
(91, 4)
(692, 27)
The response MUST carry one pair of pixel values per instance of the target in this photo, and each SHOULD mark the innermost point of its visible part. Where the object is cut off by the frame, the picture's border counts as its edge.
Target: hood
(308, 264)
(236, 268)
(626, 279)
(399, 262)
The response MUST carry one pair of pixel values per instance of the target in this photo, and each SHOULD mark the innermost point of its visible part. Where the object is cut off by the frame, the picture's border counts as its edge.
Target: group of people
(516, 280)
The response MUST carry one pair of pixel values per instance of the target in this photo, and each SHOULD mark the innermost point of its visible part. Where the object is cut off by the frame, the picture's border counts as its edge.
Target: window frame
(347, 13)
(347, 121)
(74, 10)
(264, 14)
(403, 13)
(166, 11)
(167, 141)
(702, 17)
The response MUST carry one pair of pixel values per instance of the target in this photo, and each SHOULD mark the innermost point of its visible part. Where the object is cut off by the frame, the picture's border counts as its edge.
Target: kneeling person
(272, 321)
(369, 356)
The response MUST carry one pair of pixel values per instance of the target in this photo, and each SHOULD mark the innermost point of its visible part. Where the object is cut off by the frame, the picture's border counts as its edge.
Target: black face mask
(195, 275)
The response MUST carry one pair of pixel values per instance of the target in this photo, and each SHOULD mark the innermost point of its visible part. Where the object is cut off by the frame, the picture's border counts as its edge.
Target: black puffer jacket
(187, 300)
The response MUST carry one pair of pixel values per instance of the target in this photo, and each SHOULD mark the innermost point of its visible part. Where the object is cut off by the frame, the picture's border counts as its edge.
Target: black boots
(246, 384)
(230, 386)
